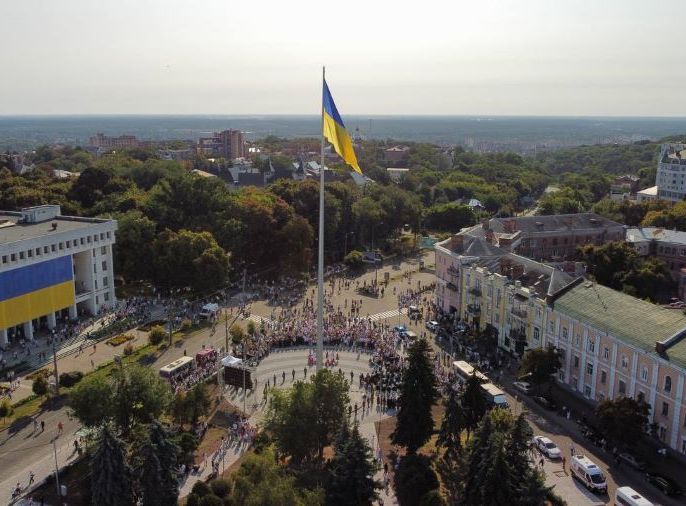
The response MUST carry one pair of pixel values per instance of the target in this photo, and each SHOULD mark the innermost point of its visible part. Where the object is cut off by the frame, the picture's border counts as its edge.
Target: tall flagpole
(320, 271)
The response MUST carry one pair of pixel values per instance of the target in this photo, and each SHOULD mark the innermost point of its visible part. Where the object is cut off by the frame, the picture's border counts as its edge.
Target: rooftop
(551, 223)
(12, 230)
(649, 191)
(631, 320)
(636, 234)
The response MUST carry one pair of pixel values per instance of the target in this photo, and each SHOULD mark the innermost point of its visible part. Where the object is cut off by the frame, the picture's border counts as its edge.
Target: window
(625, 362)
(108, 235)
(641, 397)
(668, 384)
(587, 390)
(576, 362)
(683, 446)
(103, 250)
(21, 255)
(30, 252)
(4, 259)
(589, 368)
(104, 281)
(107, 296)
(551, 326)
(576, 340)
(104, 265)
(96, 284)
(102, 236)
(644, 374)
(97, 299)
(89, 239)
(564, 333)
(46, 249)
(82, 241)
(13, 257)
(665, 409)
(536, 333)
(95, 268)
(603, 377)
(591, 345)
(52, 248)
(622, 387)
(606, 353)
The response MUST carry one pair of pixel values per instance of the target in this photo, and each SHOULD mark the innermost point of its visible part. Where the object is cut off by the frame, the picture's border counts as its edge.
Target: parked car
(432, 325)
(666, 485)
(634, 462)
(546, 402)
(400, 329)
(547, 447)
(523, 386)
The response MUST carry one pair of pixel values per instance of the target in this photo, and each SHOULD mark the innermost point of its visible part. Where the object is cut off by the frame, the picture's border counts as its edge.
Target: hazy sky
(532, 57)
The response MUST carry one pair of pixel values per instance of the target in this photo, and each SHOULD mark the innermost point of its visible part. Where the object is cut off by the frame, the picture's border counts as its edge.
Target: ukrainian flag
(335, 132)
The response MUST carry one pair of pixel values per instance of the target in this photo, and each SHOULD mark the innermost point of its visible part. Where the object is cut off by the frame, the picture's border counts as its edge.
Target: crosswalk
(255, 318)
(391, 313)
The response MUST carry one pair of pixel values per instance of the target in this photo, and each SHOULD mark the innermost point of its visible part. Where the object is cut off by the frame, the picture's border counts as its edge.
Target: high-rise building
(103, 141)
(227, 144)
(671, 173)
(52, 267)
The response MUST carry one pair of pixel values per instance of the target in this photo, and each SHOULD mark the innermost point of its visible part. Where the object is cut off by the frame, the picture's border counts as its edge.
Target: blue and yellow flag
(335, 132)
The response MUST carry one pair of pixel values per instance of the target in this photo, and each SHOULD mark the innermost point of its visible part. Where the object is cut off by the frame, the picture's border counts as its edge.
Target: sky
(450, 57)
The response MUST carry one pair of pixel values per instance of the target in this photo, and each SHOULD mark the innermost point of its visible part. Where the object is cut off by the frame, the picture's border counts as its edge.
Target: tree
(450, 440)
(418, 393)
(449, 217)
(91, 401)
(156, 335)
(540, 365)
(473, 402)
(40, 386)
(624, 419)
(237, 333)
(166, 453)
(307, 417)
(149, 472)
(199, 402)
(111, 476)
(414, 479)
(134, 394)
(351, 471)
(260, 480)
(354, 259)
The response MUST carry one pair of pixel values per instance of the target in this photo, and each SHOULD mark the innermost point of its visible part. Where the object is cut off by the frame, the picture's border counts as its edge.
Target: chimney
(510, 226)
(456, 242)
(54, 225)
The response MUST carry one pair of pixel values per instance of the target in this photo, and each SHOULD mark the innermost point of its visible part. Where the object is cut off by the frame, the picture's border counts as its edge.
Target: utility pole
(57, 471)
(226, 327)
(54, 365)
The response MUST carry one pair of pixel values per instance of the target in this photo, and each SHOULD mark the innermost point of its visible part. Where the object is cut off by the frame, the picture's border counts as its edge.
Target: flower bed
(40, 373)
(120, 339)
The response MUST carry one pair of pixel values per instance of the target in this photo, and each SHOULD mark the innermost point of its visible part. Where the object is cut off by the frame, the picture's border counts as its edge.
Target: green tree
(351, 471)
(40, 386)
(111, 476)
(418, 394)
(237, 334)
(91, 401)
(450, 440)
(449, 217)
(473, 402)
(133, 249)
(138, 395)
(149, 472)
(199, 402)
(166, 453)
(624, 419)
(540, 365)
(307, 417)
(260, 480)
(354, 259)
(414, 479)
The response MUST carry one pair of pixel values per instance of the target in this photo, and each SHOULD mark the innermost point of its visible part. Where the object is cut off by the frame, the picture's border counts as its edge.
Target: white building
(671, 173)
(52, 267)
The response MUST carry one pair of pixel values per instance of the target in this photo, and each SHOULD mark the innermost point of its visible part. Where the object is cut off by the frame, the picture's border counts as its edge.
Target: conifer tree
(418, 393)
(167, 454)
(473, 403)
(110, 473)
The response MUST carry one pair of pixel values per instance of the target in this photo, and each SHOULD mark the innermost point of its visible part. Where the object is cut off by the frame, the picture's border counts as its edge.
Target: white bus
(464, 370)
(496, 397)
(627, 496)
(178, 366)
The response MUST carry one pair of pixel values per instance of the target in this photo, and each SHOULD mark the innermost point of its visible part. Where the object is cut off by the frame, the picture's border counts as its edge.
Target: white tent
(230, 361)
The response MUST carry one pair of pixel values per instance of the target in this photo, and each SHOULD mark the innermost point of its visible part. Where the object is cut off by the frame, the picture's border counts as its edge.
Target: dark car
(666, 485)
(546, 402)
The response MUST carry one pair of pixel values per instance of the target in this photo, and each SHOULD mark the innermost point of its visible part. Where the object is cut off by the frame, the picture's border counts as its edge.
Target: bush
(128, 349)
(211, 500)
(69, 379)
(432, 498)
(157, 335)
(5, 408)
(186, 324)
(40, 386)
(354, 259)
(220, 487)
(192, 500)
(201, 489)
(415, 478)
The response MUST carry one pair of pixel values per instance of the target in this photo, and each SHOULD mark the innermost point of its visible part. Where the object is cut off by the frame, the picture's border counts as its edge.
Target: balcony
(452, 271)
(451, 286)
(518, 335)
(519, 313)
(476, 291)
(474, 309)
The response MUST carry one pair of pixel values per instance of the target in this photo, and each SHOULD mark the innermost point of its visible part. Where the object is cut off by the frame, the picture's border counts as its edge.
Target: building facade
(611, 344)
(52, 267)
(671, 172)
(105, 142)
(666, 245)
(554, 237)
(227, 144)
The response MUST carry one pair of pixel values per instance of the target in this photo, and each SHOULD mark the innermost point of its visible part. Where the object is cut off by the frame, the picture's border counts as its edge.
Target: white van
(627, 496)
(585, 470)
(209, 311)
